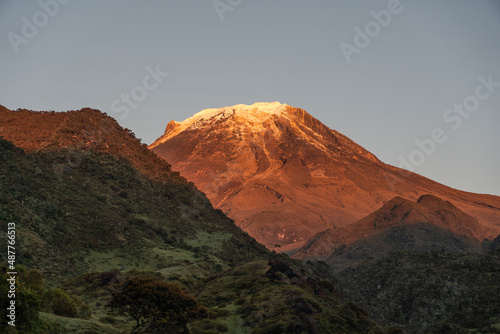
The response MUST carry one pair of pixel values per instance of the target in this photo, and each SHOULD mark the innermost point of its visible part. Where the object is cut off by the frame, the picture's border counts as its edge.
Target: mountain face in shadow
(429, 224)
(283, 176)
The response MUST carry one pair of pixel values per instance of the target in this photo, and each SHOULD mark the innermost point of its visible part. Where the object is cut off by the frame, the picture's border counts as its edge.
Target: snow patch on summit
(255, 113)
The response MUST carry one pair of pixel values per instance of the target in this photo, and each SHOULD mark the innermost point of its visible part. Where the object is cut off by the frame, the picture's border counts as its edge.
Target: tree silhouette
(156, 306)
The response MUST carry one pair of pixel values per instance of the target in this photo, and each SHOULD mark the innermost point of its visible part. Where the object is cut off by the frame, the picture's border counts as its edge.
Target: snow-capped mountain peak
(255, 113)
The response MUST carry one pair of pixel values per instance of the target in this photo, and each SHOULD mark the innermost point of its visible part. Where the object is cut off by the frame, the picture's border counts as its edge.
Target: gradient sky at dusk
(393, 92)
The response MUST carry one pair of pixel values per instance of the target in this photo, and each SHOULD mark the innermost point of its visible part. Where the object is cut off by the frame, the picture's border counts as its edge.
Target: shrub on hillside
(60, 303)
(156, 306)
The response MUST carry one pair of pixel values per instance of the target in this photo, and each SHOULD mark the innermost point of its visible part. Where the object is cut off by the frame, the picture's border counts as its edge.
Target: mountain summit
(283, 176)
(253, 114)
(267, 119)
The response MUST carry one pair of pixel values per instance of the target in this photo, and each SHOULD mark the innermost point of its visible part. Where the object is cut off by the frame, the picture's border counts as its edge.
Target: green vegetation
(280, 297)
(104, 215)
(54, 324)
(31, 297)
(156, 306)
(91, 227)
(58, 302)
(258, 297)
(429, 292)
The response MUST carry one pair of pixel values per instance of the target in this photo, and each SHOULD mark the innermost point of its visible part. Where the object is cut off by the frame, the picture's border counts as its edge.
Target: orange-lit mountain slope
(283, 176)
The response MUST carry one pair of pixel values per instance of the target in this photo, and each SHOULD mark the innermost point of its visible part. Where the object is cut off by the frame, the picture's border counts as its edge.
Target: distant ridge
(429, 224)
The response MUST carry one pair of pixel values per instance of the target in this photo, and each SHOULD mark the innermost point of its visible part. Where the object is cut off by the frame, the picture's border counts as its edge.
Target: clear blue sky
(394, 91)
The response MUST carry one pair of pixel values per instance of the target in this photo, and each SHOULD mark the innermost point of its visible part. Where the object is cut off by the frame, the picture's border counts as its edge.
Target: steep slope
(427, 224)
(83, 210)
(283, 176)
(104, 215)
(90, 195)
